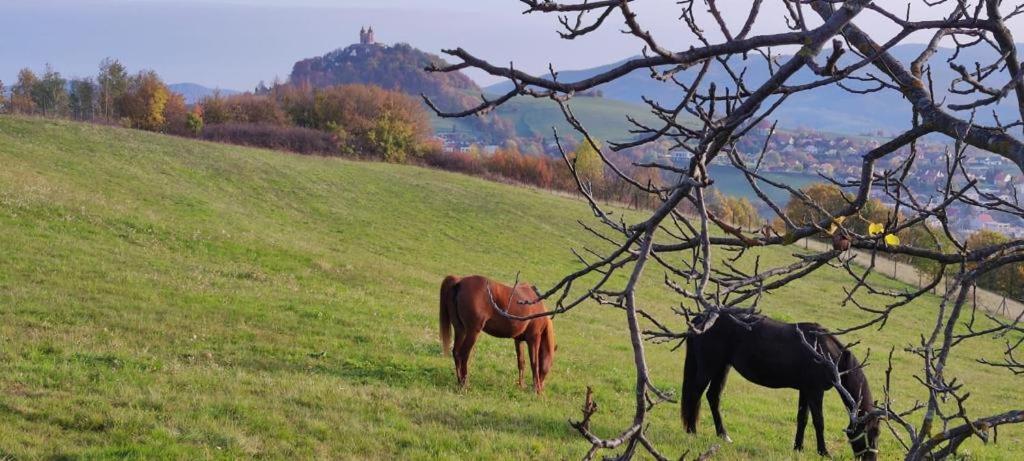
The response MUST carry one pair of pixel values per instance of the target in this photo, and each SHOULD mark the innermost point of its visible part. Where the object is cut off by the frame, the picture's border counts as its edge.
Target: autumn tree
(176, 115)
(22, 101)
(244, 108)
(297, 100)
(142, 104)
(737, 211)
(215, 109)
(821, 202)
(587, 162)
(511, 163)
(367, 120)
(3, 97)
(1006, 279)
(392, 139)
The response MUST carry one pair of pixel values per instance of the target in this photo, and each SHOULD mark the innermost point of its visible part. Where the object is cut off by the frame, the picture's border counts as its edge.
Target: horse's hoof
(798, 447)
(725, 437)
(824, 454)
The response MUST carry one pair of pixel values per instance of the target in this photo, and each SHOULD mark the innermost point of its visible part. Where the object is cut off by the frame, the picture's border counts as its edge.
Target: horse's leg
(519, 359)
(801, 422)
(696, 380)
(465, 349)
(460, 338)
(814, 402)
(714, 398)
(534, 347)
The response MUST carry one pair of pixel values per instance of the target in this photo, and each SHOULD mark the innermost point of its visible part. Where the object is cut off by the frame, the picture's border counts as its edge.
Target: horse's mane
(747, 316)
(853, 377)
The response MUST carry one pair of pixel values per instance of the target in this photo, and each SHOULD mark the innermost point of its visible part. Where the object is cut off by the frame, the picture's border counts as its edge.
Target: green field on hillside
(164, 298)
(605, 119)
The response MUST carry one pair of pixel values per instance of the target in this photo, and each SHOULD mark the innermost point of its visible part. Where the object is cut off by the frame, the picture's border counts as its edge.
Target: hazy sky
(236, 43)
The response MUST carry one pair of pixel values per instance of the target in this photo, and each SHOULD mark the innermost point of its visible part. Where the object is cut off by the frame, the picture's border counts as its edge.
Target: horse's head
(863, 432)
(548, 346)
(864, 439)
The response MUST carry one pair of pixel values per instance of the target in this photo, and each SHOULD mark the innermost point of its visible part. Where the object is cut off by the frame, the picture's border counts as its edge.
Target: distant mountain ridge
(194, 92)
(828, 108)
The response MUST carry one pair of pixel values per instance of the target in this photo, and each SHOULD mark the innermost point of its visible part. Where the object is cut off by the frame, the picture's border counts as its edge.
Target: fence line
(984, 299)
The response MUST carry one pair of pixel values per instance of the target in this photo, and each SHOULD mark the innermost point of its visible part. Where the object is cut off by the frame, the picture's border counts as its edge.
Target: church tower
(366, 36)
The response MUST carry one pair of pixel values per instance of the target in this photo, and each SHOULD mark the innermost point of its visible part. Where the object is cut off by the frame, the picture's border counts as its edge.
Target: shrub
(458, 162)
(294, 139)
(243, 108)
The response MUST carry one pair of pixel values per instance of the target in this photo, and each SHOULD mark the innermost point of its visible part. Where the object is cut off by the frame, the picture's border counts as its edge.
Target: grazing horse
(466, 306)
(773, 354)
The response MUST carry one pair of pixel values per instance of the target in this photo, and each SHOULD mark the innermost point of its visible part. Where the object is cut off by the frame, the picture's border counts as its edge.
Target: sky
(234, 44)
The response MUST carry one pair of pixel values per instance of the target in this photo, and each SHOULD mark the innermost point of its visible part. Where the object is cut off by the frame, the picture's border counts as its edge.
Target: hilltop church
(366, 36)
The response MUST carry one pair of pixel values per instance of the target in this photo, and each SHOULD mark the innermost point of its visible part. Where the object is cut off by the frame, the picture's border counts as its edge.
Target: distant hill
(194, 92)
(394, 67)
(400, 67)
(828, 109)
(605, 119)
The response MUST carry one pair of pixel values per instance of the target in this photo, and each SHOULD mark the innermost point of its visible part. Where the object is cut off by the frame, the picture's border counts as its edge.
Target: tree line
(351, 120)
(140, 100)
(362, 121)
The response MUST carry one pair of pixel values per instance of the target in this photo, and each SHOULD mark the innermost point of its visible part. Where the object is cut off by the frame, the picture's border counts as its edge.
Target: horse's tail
(448, 291)
(690, 408)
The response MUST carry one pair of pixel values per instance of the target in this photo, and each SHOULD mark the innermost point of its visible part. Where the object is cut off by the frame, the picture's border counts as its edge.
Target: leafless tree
(821, 38)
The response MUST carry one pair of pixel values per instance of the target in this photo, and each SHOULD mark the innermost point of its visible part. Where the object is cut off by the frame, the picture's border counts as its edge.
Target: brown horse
(466, 306)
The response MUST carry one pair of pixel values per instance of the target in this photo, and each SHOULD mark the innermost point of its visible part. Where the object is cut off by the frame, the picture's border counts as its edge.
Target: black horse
(776, 354)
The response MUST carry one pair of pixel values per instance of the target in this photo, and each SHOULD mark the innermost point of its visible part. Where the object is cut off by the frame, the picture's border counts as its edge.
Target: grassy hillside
(167, 298)
(604, 118)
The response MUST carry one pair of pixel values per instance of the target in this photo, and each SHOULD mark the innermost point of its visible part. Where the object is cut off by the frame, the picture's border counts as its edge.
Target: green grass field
(163, 298)
(605, 119)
